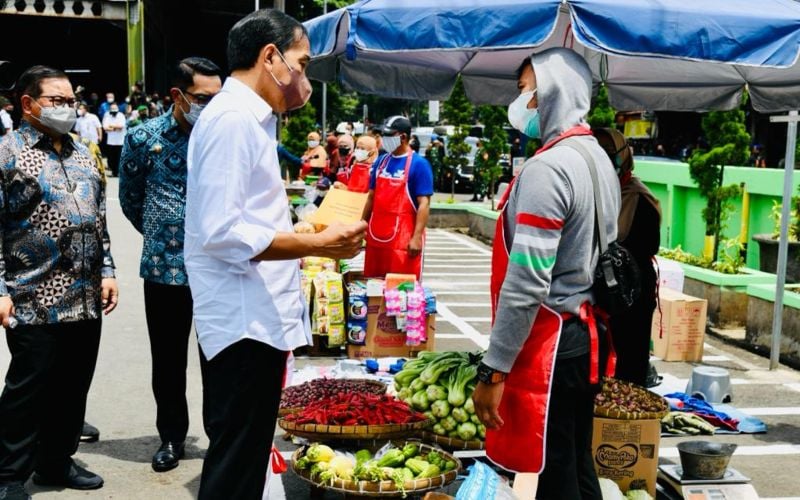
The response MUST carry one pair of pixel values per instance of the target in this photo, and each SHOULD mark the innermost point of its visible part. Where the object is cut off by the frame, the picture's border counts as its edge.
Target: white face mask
(194, 111)
(360, 154)
(59, 120)
(313, 144)
(391, 142)
(523, 119)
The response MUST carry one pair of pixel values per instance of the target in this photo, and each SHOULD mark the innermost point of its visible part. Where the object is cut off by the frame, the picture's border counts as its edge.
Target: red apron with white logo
(359, 179)
(391, 226)
(520, 444)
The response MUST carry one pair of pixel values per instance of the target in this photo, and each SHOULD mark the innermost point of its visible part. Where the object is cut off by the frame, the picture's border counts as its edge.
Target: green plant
(493, 119)
(794, 221)
(729, 141)
(731, 260)
(602, 114)
(458, 111)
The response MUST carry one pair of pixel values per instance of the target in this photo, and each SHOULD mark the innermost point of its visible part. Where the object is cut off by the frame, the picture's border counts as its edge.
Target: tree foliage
(602, 114)
(299, 124)
(458, 111)
(728, 142)
(495, 143)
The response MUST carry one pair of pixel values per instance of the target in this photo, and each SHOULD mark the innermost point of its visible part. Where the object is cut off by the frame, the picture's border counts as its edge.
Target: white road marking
(466, 242)
(455, 266)
(793, 386)
(452, 254)
(470, 332)
(751, 451)
(465, 304)
(772, 410)
(440, 275)
(460, 292)
(709, 359)
(478, 320)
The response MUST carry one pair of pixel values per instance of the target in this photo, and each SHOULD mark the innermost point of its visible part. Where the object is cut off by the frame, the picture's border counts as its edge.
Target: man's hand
(6, 310)
(340, 185)
(415, 246)
(341, 241)
(487, 402)
(109, 295)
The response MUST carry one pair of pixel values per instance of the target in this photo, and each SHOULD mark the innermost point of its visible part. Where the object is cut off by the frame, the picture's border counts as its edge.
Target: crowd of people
(200, 180)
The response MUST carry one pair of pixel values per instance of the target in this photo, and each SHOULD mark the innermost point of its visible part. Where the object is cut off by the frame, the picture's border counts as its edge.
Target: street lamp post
(324, 89)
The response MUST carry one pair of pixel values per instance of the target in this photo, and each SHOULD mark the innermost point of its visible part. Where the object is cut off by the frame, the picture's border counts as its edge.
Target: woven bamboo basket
(449, 443)
(651, 398)
(385, 488)
(321, 432)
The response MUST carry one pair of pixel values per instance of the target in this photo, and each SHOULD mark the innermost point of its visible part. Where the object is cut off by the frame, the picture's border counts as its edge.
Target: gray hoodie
(549, 219)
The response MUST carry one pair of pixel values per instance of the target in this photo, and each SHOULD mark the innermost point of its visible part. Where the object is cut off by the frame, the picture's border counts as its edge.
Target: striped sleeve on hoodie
(537, 209)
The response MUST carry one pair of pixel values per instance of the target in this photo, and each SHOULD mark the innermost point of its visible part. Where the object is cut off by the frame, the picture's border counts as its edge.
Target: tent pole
(783, 246)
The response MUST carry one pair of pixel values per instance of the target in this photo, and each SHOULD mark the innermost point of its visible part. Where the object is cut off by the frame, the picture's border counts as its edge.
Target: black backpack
(617, 279)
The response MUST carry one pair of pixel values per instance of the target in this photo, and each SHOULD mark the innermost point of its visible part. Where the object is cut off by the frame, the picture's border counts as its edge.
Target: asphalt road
(457, 268)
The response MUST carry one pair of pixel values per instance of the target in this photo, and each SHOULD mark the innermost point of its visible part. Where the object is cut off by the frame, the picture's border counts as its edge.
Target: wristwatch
(489, 375)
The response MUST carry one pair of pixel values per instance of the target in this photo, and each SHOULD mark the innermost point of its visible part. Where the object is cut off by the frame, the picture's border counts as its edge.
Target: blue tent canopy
(652, 54)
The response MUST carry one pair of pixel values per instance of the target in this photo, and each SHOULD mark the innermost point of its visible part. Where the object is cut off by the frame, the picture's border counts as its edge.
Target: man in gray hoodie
(539, 377)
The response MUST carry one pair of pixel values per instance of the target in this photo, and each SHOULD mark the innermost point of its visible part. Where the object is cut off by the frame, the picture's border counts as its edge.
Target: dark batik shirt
(55, 244)
(152, 192)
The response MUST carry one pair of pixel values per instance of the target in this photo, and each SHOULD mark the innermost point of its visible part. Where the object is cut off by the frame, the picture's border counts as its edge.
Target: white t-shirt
(87, 126)
(114, 137)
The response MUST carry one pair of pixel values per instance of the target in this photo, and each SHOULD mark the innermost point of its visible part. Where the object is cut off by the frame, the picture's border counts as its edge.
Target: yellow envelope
(341, 206)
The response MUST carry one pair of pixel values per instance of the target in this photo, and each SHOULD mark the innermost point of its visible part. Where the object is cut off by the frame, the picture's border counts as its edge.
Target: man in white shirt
(114, 124)
(241, 253)
(88, 125)
(6, 107)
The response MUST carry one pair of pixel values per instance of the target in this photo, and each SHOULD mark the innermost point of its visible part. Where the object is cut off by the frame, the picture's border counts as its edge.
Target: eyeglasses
(200, 98)
(59, 101)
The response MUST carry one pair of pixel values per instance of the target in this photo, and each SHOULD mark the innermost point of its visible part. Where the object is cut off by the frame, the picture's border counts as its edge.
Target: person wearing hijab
(315, 157)
(638, 230)
(345, 147)
(356, 176)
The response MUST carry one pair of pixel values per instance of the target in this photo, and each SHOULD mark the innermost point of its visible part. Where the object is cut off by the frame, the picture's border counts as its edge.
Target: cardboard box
(383, 338)
(683, 324)
(626, 451)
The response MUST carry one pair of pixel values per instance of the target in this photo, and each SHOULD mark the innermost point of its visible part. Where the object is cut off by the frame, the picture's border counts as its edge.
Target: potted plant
(768, 243)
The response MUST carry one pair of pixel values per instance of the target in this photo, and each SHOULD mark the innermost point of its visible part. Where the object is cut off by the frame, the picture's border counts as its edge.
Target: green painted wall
(682, 204)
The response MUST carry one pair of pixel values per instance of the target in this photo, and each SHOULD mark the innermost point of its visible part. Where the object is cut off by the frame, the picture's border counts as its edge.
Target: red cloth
(391, 227)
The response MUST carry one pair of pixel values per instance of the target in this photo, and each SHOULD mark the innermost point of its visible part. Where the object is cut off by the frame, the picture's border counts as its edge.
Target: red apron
(519, 446)
(391, 226)
(356, 177)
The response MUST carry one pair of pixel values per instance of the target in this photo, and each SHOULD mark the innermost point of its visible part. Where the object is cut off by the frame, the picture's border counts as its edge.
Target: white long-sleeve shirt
(235, 204)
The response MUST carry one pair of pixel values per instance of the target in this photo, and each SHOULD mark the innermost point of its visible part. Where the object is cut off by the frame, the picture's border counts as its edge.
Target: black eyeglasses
(200, 98)
(59, 101)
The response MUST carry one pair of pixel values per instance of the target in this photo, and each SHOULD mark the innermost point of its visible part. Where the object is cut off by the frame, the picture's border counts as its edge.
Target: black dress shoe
(13, 491)
(77, 478)
(168, 456)
(89, 433)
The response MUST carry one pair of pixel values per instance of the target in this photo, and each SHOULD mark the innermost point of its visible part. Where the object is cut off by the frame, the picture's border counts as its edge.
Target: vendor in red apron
(356, 177)
(548, 348)
(400, 190)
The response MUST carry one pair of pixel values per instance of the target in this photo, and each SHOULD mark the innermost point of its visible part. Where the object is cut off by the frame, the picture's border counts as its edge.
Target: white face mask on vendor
(391, 142)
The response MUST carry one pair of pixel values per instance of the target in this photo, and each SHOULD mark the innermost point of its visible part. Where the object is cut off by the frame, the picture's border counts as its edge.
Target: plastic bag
(484, 483)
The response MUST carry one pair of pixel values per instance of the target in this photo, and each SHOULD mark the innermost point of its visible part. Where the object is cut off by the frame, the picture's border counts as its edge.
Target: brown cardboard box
(684, 327)
(626, 451)
(383, 338)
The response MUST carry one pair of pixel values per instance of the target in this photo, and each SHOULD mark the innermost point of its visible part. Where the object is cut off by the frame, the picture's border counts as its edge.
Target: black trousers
(44, 400)
(113, 153)
(631, 334)
(569, 470)
(168, 310)
(241, 394)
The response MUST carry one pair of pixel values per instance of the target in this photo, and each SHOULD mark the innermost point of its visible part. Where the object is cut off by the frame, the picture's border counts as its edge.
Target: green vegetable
(410, 450)
(429, 415)
(420, 401)
(453, 434)
(430, 471)
(436, 392)
(467, 431)
(460, 414)
(469, 405)
(327, 476)
(369, 471)
(433, 371)
(450, 465)
(363, 456)
(638, 495)
(440, 408)
(400, 476)
(474, 419)
(320, 453)
(481, 431)
(449, 423)
(417, 385)
(318, 468)
(457, 384)
(404, 393)
(438, 429)
(417, 465)
(392, 458)
(435, 458)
